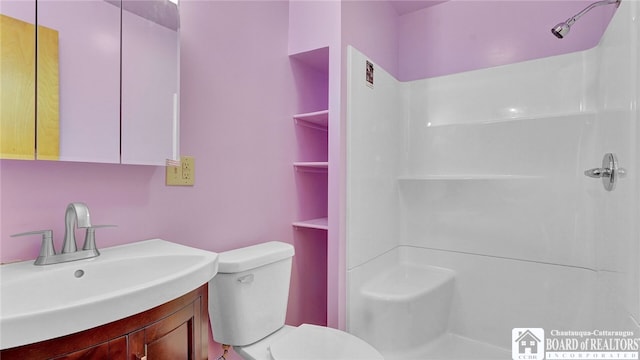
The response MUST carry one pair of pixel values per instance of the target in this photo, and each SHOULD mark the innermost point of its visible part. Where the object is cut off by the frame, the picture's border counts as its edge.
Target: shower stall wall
(468, 208)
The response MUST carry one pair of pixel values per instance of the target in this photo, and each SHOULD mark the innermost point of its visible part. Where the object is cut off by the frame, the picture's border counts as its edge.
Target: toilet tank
(248, 296)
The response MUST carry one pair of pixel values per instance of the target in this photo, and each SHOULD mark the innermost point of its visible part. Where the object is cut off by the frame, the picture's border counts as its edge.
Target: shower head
(562, 29)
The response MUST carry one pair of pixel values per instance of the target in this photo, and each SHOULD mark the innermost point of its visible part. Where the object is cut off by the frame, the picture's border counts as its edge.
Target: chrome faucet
(76, 215)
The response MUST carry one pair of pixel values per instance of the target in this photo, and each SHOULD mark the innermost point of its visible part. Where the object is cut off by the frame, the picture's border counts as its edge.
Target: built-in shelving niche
(311, 171)
(311, 73)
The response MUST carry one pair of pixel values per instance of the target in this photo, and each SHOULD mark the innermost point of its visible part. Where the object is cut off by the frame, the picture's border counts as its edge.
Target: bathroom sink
(44, 302)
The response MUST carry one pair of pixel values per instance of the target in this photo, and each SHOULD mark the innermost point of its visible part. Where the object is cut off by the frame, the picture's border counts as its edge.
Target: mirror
(105, 112)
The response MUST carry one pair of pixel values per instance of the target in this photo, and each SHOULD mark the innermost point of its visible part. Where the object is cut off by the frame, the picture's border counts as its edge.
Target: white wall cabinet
(150, 82)
(116, 97)
(89, 92)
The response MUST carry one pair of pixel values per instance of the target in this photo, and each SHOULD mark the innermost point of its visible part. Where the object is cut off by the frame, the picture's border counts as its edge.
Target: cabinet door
(149, 81)
(115, 349)
(98, 352)
(28, 130)
(17, 76)
(79, 346)
(89, 81)
(176, 337)
(173, 331)
(47, 94)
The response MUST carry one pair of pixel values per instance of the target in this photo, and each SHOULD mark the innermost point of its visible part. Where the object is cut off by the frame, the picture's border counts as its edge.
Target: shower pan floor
(452, 347)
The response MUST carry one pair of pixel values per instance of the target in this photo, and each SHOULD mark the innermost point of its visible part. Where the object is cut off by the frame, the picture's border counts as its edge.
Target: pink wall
(372, 28)
(306, 18)
(463, 35)
(234, 122)
(238, 95)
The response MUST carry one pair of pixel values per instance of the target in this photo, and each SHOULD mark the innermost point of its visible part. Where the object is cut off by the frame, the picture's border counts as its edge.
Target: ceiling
(162, 12)
(406, 6)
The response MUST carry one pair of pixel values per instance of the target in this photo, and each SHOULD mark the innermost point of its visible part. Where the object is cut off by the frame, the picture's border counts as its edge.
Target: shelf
(314, 166)
(317, 120)
(317, 59)
(320, 223)
(468, 177)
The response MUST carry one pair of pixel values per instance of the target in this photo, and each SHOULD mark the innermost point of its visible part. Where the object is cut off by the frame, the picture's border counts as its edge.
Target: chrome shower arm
(562, 29)
(577, 16)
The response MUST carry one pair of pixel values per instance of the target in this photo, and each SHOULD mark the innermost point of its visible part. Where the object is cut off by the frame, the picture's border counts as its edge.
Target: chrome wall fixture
(562, 29)
(609, 172)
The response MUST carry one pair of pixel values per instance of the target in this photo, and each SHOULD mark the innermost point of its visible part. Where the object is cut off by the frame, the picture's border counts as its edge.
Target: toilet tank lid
(251, 257)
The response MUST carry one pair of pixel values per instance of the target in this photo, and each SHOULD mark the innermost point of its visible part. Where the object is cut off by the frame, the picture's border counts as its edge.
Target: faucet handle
(46, 249)
(90, 237)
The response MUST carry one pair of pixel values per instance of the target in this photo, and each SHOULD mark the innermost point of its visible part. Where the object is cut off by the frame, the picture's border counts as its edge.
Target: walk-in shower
(469, 216)
(562, 29)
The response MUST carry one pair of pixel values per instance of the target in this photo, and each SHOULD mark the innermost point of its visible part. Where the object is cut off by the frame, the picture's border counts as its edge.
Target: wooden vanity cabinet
(176, 330)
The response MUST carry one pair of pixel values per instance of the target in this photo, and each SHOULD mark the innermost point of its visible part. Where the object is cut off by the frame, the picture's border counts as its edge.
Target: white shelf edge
(320, 223)
(311, 163)
(512, 120)
(468, 177)
(312, 166)
(312, 114)
(317, 120)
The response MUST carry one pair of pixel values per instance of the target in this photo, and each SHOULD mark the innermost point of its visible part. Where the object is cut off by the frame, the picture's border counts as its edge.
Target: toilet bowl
(309, 342)
(247, 308)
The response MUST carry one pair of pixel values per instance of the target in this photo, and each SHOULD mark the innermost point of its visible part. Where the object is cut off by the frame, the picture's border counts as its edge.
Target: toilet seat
(319, 343)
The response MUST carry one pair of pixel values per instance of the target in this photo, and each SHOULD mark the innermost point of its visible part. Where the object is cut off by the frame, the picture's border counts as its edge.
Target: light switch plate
(183, 175)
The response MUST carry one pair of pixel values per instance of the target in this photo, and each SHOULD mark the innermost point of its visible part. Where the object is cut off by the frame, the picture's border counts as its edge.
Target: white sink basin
(44, 302)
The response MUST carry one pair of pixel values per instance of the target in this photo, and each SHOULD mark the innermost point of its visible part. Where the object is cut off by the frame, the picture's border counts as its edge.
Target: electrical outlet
(188, 169)
(183, 175)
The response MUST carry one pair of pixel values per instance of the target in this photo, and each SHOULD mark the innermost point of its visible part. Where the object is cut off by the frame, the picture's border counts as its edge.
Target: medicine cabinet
(105, 81)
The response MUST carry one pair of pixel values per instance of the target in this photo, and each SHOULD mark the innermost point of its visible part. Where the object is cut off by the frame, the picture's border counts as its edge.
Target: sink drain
(78, 273)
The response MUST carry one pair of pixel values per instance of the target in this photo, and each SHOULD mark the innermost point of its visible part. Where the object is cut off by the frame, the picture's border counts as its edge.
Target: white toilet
(247, 308)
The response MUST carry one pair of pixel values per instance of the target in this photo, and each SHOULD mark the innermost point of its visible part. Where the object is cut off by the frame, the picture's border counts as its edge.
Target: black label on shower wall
(369, 74)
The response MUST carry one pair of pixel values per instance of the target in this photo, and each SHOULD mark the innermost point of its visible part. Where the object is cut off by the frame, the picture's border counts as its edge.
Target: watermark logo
(531, 344)
(527, 344)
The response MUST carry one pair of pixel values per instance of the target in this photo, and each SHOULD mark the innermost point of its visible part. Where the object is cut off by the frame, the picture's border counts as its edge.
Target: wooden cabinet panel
(115, 349)
(48, 98)
(173, 331)
(17, 92)
(176, 337)
(174, 345)
(98, 352)
(118, 348)
(20, 139)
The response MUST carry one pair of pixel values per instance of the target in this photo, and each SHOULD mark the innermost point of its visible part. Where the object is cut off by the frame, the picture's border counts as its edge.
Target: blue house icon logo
(527, 343)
